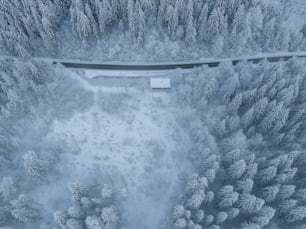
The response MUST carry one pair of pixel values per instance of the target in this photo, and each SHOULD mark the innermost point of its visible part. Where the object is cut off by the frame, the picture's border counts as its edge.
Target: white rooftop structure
(160, 83)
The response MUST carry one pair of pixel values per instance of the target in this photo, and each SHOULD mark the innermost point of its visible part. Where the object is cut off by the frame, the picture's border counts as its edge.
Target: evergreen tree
(190, 31)
(232, 213)
(285, 206)
(23, 209)
(264, 216)
(237, 169)
(93, 222)
(248, 203)
(198, 216)
(235, 104)
(180, 223)
(7, 188)
(178, 211)
(5, 215)
(296, 214)
(209, 220)
(174, 21)
(202, 24)
(269, 193)
(285, 192)
(110, 215)
(141, 20)
(35, 166)
(250, 226)
(300, 194)
(221, 217)
(74, 224)
(79, 20)
(266, 175)
(75, 212)
(195, 201)
(60, 218)
(227, 196)
(244, 185)
(78, 191)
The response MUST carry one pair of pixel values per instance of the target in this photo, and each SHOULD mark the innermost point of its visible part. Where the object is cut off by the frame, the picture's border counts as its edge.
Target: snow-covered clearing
(130, 137)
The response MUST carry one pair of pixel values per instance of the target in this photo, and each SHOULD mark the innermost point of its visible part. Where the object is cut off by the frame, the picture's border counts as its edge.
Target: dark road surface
(123, 66)
(169, 66)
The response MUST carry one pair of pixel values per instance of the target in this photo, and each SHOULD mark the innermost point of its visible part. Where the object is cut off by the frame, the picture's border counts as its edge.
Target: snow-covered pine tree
(248, 203)
(227, 196)
(202, 24)
(236, 170)
(92, 20)
(174, 21)
(60, 218)
(263, 217)
(35, 166)
(74, 224)
(190, 30)
(110, 216)
(244, 185)
(78, 191)
(80, 21)
(296, 214)
(23, 209)
(7, 188)
(269, 193)
(140, 24)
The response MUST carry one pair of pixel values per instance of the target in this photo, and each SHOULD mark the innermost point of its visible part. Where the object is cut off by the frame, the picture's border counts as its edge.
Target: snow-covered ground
(130, 137)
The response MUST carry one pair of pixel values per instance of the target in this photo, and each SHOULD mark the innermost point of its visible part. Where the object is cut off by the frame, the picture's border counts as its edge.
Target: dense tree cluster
(249, 157)
(16, 208)
(18, 211)
(37, 165)
(247, 191)
(249, 135)
(272, 105)
(219, 27)
(18, 79)
(88, 212)
(263, 102)
(24, 22)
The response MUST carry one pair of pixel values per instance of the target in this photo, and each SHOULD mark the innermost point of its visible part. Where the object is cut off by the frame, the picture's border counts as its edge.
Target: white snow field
(130, 136)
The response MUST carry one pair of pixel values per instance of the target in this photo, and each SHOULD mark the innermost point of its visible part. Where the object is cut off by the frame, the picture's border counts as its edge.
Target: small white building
(160, 83)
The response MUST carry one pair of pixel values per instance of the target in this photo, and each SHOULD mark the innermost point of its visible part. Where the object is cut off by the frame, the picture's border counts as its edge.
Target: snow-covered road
(149, 67)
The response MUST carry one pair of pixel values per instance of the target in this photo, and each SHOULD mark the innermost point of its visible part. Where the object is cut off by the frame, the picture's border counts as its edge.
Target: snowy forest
(224, 148)
(115, 29)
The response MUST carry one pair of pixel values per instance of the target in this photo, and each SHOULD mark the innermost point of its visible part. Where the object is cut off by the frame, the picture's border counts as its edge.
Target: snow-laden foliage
(19, 211)
(274, 201)
(19, 79)
(89, 212)
(251, 153)
(246, 123)
(38, 165)
(216, 27)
